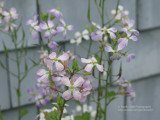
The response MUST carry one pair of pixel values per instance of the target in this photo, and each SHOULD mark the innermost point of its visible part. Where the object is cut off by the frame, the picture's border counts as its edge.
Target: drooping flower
(52, 45)
(11, 14)
(91, 63)
(64, 28)
(48, 27)
(124, 41)
(58, 60)
(10, 26)
(103, 31)
(55, 12)
(74, 88)
(79, 36)
(129, 28)
(121, 14)
(130, 57)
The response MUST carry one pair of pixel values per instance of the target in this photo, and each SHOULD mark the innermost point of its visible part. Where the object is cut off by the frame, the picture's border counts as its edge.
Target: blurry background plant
(11, 26)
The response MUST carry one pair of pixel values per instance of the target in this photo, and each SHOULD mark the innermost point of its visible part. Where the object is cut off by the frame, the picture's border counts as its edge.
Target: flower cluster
(52, 23)
(8, 18)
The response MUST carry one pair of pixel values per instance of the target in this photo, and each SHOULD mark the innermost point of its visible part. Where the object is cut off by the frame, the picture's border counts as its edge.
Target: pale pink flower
(55, 12)
(74, 88)
(56, 60)
(10, 27)
(1, 6)
(91, 63)
(11, 14)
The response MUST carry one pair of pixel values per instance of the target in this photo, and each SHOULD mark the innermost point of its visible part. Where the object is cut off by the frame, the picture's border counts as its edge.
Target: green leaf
(42, 16)
(2, 65)
(75, 66)
(5, 48)
(23, 113)
(111, 94)
(98, 59)
(52, 17)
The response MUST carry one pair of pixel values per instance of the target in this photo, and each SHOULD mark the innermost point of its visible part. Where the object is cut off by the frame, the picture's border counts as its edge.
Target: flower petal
(88, 67)
(67, 95)
(99, 67)
(52, 55)
(79, 82)
(65, 81)
(83, 60)
(76, 95)
(59, 66)
(109, 49)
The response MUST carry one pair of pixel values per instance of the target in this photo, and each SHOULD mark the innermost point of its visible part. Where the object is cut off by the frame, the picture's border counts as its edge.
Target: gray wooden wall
(144, 71)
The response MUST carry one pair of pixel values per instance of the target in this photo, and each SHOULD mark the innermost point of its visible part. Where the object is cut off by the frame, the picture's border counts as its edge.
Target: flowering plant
(62, 78)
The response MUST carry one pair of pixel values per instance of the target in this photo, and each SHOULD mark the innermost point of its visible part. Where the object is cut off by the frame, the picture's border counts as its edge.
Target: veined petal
(60, 29)
(83, 60)
(67, 95)
(109, 49)
(47, 34)
(88, 67)
(99, 67)
(52, 55)
(41, 72)
(50, 23)
(59, 66)
(134, 38)
(76, 95)
(64, 57)
(65, 81)
(43, 26)
(79, 82)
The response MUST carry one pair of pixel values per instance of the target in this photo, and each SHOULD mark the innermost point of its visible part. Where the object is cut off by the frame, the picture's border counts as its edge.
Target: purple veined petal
(76, 95)
(50, 23)
(83, 99)
(49, 63)
(41, 72)
(134, 38)
(136, 32)
(47, 34)
(88, 67)
(99, 67)
(54, 32)
(83, 60)
(113, 36)
(33, 23)
(112, 29)
(64, 34)
(59, 66)
(52, 55)
(67, 95)
(65, 81)
(43, 26)
(128, 33)
(64, 57)
(60, 29)
(44, 78)
(130, 86)
(121, 45)
(131, 23)
(130, 57)
(109, 49)
(79, 82)
(43, 101)
(70, 27)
